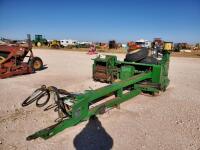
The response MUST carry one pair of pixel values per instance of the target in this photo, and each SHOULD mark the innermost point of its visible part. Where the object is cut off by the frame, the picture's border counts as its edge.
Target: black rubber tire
(38, 60)
(150, 60)
(137, 56)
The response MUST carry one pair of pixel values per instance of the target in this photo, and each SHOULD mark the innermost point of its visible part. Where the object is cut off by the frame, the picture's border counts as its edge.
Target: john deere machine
(40, 41)
(127, 80)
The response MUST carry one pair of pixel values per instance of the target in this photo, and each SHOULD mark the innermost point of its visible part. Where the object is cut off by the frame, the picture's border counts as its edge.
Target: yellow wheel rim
(39, 44)
(37, 64)
(2, 59)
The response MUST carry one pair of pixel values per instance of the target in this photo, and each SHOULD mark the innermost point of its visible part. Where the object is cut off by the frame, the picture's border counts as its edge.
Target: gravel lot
(168, 121)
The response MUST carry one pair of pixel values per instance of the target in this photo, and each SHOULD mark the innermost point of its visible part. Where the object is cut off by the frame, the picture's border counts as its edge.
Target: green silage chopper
(126, 80)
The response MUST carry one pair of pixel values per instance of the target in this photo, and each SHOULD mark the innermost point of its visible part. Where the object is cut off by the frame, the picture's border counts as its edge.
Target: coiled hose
(46, 91)
(36, 96)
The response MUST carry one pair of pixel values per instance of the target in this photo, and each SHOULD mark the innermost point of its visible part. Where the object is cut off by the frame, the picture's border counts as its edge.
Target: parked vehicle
(88, 43)
(55, 44)
(40, 41)
(197, 46)
(68, 42)
(143, 43)
(181, 46)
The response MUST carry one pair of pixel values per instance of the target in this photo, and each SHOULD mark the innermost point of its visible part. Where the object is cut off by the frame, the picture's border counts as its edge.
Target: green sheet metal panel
(126, 72)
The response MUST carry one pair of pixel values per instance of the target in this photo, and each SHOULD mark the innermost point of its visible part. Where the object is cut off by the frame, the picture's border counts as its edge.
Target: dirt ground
(170, 120)
(193, 54)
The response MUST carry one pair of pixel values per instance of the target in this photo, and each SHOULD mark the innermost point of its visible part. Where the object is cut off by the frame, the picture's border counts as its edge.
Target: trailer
(65, 43)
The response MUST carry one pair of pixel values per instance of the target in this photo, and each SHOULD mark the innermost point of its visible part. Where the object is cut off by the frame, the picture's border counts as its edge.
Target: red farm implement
(13, 62)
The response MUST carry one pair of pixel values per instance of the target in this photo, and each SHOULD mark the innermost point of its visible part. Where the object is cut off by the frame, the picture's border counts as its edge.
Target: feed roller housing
(109, 70)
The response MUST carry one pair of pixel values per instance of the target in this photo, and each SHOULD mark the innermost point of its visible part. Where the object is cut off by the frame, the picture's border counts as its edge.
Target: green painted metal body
(113, 69)
(133, 78)
(39, 38)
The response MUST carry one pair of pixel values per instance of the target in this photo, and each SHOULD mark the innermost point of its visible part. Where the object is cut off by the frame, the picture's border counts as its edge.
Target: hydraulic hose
(36, 96)
(44, 91)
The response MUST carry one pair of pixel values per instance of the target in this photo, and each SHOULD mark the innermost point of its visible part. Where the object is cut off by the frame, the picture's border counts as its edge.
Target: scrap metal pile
(127, 80)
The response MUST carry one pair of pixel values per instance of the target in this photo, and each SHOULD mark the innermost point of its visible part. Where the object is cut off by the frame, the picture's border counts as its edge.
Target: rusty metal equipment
(128, 79)
(12, 59)
(132, 46)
